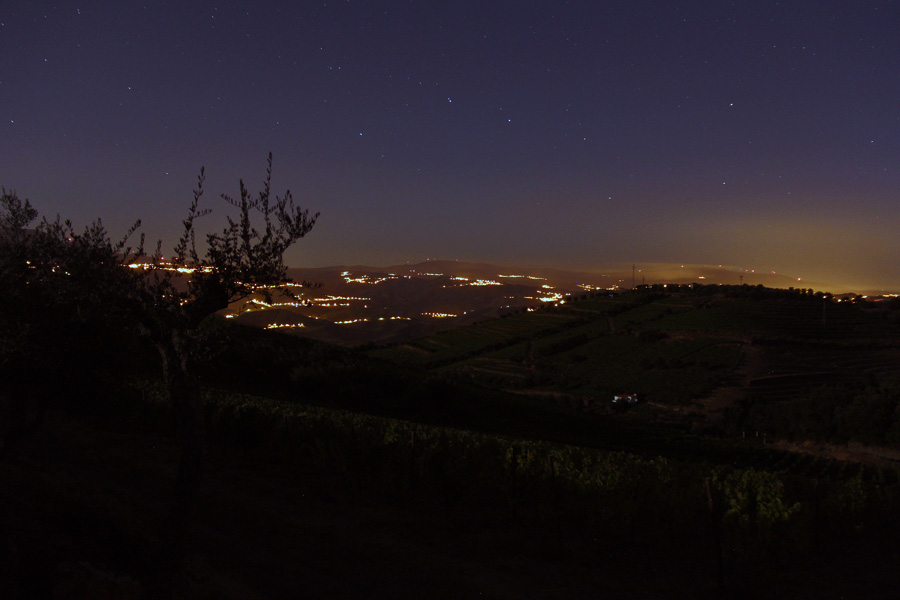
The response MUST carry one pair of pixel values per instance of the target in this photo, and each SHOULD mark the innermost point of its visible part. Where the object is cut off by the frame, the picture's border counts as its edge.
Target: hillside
(355, 305)
(489, 459)
(687, 352)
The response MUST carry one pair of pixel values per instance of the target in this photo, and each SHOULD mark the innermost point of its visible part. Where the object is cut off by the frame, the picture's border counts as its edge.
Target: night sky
(576, 134)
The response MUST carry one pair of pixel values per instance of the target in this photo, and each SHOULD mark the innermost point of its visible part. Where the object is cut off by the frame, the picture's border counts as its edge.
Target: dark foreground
(81, 504)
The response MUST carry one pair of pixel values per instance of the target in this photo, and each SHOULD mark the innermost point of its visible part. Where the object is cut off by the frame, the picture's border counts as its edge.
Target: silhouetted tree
(238, 261)
(52, 265)
(56, 285)
(15, 216)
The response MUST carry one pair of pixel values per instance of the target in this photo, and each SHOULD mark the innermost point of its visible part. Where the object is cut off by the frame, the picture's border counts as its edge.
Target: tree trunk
(184, 395)
(172, 579)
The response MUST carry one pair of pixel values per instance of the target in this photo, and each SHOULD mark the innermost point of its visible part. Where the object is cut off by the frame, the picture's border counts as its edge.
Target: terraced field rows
(672, 349)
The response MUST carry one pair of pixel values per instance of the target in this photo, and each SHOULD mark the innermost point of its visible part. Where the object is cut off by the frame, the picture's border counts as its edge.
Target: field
(673, 350)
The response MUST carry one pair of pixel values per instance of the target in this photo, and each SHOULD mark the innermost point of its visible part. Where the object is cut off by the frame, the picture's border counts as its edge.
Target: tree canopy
(54, 276)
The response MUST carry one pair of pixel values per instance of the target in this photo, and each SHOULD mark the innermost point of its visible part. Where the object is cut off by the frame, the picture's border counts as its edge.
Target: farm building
(626, 398)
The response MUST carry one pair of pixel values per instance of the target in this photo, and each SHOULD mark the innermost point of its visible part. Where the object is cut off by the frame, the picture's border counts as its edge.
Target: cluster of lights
(345, 301)
(265, 304)
(880, 297)
(166, 266)
(484, 282)
(276, 304)
(325, 301)
(365, 279)
(551, 297)
(285, 325)
(475, 282)
(338, 298)
(259, 286)
(522, 277)
(335, 301)
(365, 320)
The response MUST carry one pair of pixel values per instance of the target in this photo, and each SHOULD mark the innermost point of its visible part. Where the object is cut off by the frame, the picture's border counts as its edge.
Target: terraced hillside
(683, 349)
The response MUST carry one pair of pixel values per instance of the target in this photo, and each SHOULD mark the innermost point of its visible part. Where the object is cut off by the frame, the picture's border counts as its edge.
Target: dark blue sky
(576, 134)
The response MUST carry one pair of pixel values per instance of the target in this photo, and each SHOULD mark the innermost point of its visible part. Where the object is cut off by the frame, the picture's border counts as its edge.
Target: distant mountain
(360, 304)
(352, 305)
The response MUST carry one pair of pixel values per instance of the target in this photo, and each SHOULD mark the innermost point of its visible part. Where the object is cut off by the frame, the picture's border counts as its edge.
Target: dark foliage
(864, 414)
(65, 288)
(64, 329)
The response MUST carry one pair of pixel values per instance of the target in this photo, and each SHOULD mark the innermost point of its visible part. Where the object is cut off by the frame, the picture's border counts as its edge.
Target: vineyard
(672, 349)
(765, 502)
